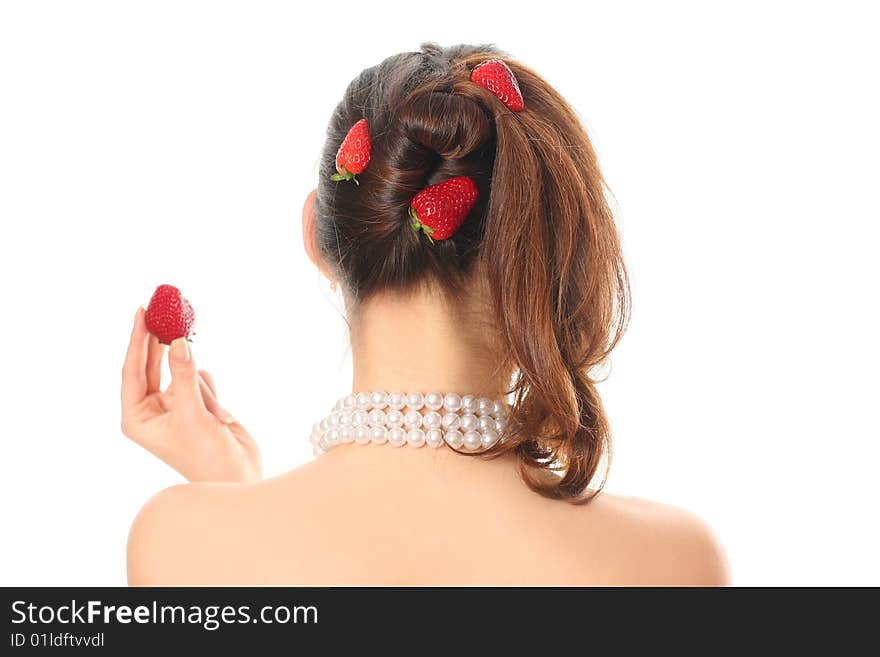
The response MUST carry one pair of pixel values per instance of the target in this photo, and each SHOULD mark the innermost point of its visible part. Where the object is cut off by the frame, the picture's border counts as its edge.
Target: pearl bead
(397, 400)
(500, 424)
(413, 420)
(344, 419)
(486, 423)
(333, 420)
(377, 417)
(451, 421)
(484, 406)
(346, 434)
(499, 409)
(349, 402)
(394, 418)
(362, 400)
(434, 401)
(415, 400)
(490, 437)
(324, 443)
(325, 424)
(360, 418)
(396, 437)
(361, 435)
(473, 440)
(332, 436)
(434, 437)
(379, 400)
(469, 404)
(317, 451)
(415, 438)
(315, 438)
(454, 438)
(469, 422)
(452, 402)
(379, 435)
(432, 420)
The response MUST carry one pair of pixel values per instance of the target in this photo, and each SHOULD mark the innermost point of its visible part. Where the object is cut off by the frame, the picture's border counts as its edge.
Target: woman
(487, 302)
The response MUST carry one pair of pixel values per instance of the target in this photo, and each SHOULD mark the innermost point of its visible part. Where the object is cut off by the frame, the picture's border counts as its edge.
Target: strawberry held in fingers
(169, 315)
(497, 77)
(440, 210)
(353, 155)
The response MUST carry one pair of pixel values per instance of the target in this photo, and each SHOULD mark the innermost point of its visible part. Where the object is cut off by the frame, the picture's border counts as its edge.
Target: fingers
(207, 378)
(134, 370)
(155, 352)
(244, 438)
(210, 399)
(185, 380)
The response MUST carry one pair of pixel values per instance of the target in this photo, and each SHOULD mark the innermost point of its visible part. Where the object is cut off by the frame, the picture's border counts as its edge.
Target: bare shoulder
(184, 533)
(660, 544)
(227, 534)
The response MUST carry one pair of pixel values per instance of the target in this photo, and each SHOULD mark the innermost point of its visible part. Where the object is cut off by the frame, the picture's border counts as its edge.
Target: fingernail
(138, 312)
(179, 351)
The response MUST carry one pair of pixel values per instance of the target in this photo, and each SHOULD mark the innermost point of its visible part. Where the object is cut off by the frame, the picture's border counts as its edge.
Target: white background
(143, 143)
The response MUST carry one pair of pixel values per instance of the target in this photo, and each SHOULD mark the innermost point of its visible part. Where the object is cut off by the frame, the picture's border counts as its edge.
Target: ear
(309, 223)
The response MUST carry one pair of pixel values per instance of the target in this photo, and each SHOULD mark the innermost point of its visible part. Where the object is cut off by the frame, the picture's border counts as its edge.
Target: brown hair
(542, 230)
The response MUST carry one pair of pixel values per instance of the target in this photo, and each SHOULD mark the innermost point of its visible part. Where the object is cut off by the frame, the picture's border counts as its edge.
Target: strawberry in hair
(440, 210)
(353, 155)
(497, 77)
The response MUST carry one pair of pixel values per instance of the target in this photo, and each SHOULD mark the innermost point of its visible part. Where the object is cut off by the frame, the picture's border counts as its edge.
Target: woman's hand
(184, 426)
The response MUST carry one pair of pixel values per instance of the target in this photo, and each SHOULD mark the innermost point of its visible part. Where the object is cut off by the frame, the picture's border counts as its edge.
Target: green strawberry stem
(345, 174)
(419, 226)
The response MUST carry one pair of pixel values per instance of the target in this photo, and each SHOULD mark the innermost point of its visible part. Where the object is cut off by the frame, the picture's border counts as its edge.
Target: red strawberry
(497, 77)
(169, 315)
(353, 155)
(440, 210)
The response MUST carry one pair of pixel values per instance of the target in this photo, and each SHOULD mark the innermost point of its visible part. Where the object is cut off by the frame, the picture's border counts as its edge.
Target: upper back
(380, 516)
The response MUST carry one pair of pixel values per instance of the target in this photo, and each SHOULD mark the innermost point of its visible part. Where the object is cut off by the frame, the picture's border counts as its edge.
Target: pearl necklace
(463, 422)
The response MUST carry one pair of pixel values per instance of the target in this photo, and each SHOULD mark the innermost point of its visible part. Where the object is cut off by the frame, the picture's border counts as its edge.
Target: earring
(333, 287)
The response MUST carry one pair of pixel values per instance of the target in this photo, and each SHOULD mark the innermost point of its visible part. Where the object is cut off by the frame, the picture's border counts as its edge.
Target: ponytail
(558, 283)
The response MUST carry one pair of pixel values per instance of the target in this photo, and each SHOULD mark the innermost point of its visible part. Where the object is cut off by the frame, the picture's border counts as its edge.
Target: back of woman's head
(541, 235)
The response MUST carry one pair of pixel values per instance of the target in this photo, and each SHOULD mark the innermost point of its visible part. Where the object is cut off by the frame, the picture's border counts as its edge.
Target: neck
(425, 342)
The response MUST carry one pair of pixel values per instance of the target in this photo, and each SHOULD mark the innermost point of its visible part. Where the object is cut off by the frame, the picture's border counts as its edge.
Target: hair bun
(449, 124)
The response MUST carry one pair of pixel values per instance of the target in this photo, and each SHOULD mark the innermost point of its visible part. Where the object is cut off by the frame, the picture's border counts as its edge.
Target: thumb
(184, 377)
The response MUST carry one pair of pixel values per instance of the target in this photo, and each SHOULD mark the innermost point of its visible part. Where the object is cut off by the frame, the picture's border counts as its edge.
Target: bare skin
(378, 515)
